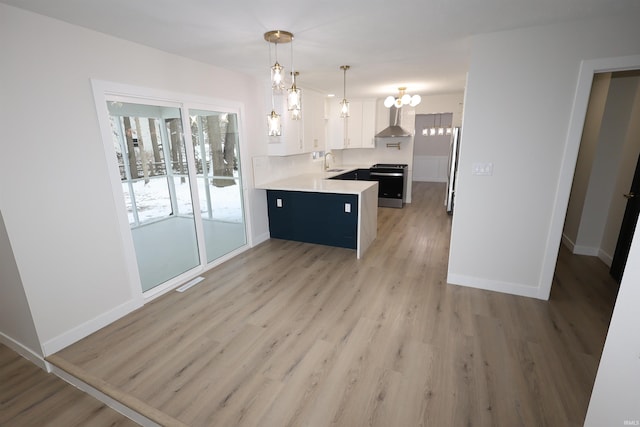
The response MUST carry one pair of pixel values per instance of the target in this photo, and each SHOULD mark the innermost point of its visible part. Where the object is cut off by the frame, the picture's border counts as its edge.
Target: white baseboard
(570, 244)
(23, 351)
(76, 334)
(579, 249)
(605, 257)
(494, 285)
(261, 238)
(112, 403)
(585, 250)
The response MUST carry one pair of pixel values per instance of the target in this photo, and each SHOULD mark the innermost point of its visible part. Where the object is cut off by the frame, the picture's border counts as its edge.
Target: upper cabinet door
(299, 136)
(369, 123)
(291, 140)
(313, 121)
(357, 130)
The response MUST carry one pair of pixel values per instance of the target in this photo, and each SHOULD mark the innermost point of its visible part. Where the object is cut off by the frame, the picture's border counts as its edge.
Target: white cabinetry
(369, 123)
(299, 136)
(313, 121)
(290, 142)
(357, 130)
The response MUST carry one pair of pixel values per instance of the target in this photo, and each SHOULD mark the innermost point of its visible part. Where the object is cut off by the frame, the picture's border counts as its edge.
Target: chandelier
(294, 98)
(402, 99)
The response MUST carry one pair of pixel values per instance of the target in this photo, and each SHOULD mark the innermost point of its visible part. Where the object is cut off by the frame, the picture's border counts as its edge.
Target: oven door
(390, 187)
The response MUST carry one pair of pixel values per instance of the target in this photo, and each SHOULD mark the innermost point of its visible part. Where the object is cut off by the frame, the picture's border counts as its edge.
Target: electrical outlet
(279, 203)
(347, 207)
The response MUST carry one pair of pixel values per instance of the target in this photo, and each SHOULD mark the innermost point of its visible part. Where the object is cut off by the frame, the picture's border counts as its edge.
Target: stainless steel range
(392, 183)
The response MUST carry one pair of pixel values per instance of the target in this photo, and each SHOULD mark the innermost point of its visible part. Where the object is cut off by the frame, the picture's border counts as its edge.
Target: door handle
(629, 195)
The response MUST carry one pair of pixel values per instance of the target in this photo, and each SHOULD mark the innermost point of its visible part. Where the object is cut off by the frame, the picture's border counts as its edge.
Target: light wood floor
(294, 334)
(31, 397)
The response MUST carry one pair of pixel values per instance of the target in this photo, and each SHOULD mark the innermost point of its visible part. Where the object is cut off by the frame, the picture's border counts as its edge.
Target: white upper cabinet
(313, 121)
(369, 123)
(299, 136)
(291, 140)
(356, 131)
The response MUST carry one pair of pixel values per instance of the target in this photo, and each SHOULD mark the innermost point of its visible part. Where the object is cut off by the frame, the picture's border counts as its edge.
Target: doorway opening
(605, 168)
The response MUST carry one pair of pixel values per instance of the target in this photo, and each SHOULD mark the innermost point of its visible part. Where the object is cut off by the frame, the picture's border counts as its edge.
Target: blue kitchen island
(316, 209)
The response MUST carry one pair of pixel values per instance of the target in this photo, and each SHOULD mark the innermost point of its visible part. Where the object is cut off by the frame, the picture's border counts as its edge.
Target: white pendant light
(344, 104)
(402, 99)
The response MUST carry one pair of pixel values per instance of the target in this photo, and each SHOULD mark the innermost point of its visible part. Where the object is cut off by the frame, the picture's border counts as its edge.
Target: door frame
(570, 156)
(104, 89)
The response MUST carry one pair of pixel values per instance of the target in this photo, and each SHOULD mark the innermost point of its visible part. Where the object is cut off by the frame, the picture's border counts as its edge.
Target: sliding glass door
(180, 175)
(217, 155)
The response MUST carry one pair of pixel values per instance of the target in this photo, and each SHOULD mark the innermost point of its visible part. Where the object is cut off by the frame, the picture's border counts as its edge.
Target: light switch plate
(347, 207)
(279, 203)
(482, 168)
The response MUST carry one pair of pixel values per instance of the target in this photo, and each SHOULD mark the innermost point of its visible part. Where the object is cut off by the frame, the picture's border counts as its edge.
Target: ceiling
(421, 44)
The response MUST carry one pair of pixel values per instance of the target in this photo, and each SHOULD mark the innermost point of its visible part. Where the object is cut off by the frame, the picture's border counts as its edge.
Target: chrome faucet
(326, 165)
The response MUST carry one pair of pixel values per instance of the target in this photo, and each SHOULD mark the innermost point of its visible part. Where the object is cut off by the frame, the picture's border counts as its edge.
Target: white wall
(56, 196)
(616, 394)
(502, 227)
(16, 324)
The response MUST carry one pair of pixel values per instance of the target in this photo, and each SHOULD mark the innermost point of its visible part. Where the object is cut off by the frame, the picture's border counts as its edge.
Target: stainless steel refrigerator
(452, 169)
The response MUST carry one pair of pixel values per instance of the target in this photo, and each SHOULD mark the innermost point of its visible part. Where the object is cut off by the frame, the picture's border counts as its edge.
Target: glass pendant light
(344, 104)
(296, 114)
(294, 97)
(273, 124)
(277, 70)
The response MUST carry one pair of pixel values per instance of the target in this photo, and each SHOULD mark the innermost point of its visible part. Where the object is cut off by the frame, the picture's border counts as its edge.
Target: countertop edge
(320, 182)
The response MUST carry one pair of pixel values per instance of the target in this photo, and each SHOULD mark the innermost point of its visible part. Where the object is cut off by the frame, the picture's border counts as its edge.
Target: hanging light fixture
(277, 70)
(344, 104)
(294, 98)
(402, 99)
(274, 123)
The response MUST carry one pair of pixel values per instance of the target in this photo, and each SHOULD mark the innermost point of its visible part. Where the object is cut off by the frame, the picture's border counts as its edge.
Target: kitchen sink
(335, 170)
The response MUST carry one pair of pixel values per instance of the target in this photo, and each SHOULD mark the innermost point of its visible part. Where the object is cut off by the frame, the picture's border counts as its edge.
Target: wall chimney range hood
(394, 129)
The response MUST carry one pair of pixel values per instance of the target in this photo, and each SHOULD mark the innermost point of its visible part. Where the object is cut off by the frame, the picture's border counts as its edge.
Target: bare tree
(157, 159)
(216, 129)
(177, 152)
(131, 148)
(143, 154)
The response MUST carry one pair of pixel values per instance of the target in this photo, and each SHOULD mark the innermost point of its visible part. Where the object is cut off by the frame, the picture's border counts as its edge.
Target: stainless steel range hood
(394, 129)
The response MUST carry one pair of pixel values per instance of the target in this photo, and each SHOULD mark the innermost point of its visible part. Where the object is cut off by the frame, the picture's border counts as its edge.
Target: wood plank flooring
(31, 397)
(295, 334)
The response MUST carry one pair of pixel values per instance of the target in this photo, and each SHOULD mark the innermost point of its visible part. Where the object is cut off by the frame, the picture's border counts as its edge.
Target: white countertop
(319, 182)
